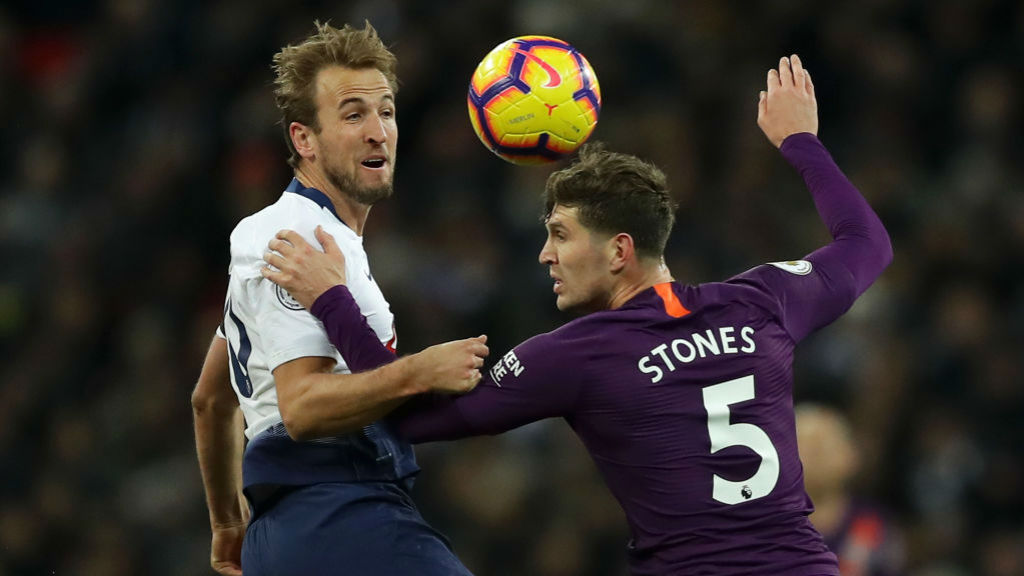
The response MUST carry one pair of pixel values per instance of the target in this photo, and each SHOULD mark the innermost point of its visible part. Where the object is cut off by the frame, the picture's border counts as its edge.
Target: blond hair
(296, 68)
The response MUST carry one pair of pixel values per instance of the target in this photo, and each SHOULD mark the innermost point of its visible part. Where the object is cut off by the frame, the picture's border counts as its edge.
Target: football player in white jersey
(327, 482)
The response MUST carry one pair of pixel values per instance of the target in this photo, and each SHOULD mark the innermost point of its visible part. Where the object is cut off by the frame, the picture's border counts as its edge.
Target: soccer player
(328, 483)
(681, 394)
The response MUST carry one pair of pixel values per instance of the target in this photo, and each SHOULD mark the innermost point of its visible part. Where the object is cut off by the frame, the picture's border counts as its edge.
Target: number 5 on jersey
(723, 434)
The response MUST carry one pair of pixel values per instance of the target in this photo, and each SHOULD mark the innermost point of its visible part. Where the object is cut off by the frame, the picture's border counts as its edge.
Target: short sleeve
(285, 330)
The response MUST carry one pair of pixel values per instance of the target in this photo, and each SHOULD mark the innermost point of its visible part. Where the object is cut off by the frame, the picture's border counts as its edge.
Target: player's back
(685, 405)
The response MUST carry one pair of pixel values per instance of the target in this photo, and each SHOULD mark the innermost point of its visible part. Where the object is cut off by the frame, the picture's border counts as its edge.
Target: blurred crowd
(138, 132)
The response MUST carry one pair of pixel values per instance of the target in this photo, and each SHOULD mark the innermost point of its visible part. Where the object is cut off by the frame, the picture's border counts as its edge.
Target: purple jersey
(683, 396)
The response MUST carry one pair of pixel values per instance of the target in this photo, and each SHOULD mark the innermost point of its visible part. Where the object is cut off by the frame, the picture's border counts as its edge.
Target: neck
(352, 213)
(644, 277)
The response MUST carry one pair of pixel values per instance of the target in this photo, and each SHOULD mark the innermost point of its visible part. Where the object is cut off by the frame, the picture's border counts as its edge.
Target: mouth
(374, 162)
(558, 284)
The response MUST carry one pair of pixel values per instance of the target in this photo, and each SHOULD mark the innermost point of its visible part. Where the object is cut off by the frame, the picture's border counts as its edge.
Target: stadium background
(137, 133)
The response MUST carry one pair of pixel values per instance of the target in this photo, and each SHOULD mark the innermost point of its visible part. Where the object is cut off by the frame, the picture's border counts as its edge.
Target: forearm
(220, 443)
(220, 440)
(431, 418)
(324, 404)
(860, 240)
(336, 408)
(348, 330)
(540, 378)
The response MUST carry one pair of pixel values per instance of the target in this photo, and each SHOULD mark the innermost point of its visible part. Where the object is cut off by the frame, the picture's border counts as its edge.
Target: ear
(622, 252)
(304, 139)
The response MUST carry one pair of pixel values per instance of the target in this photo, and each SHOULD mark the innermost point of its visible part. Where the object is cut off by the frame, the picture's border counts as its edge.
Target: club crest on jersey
(798, 267)
(286, 299)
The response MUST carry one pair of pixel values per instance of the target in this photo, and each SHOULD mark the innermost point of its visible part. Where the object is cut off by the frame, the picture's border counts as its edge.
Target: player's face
(358, 133)
(578, 261)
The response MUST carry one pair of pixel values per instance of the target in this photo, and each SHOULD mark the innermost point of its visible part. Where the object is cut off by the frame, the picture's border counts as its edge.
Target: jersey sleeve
(535, 380)
(531, 382)
(813, 292)
(348, 330)
(286, 330)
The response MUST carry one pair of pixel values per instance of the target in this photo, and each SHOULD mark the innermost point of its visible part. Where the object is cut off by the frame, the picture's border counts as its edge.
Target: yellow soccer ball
(534, 99)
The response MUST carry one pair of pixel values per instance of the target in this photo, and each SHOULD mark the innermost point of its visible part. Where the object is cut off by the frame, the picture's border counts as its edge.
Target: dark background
(138, 132)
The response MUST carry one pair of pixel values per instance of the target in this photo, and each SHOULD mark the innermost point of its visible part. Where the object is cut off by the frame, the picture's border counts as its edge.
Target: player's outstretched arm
(519, 398)
(860, 249)
(316, 403)
(219, 445)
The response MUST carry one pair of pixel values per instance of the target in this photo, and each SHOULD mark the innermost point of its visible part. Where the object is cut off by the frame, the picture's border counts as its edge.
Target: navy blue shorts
(350, 529)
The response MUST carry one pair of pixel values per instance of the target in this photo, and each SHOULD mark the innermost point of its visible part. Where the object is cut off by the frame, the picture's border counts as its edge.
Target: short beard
(362, 194)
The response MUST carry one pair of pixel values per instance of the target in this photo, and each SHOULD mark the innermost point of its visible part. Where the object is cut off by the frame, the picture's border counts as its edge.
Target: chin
(572, 308)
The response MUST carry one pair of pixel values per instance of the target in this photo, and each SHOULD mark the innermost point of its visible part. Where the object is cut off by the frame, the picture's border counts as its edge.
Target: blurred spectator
(858, 532)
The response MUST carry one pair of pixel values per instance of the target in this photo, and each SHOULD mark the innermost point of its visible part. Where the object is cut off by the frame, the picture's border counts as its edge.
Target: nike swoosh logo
(554, 78)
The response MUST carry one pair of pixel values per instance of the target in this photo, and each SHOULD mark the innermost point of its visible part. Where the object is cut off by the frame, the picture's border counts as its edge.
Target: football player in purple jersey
(682, 394)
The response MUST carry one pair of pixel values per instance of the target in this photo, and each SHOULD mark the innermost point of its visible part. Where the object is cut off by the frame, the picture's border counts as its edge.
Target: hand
(788, 106)
(226, 549)
(301, 269)
(452, 367)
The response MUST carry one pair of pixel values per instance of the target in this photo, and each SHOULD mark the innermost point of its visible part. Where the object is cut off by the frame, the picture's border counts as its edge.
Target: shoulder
(750, 289)
(738, 289)
(766, 279)
(581, 336)
(290, 211)
(557, 346)
(250, 236)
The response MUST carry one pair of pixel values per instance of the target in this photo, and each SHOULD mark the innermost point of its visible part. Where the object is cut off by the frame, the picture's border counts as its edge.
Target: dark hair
(297, 66)
(616, 193)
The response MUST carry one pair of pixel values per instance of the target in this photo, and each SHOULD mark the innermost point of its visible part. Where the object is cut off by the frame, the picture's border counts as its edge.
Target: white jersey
(265, 327)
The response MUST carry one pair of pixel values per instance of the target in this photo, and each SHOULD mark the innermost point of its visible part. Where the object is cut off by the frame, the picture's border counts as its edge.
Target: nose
(376, 133)
(547, 254)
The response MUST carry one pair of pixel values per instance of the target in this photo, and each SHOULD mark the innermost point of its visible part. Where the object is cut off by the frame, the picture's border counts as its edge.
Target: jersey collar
(296, 187)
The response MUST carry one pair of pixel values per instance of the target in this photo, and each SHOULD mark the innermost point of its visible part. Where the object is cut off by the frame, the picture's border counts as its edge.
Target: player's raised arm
(816, 292)
(219, 446)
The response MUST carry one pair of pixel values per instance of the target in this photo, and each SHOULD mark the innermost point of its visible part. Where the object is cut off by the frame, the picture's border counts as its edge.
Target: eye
(387, 113)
